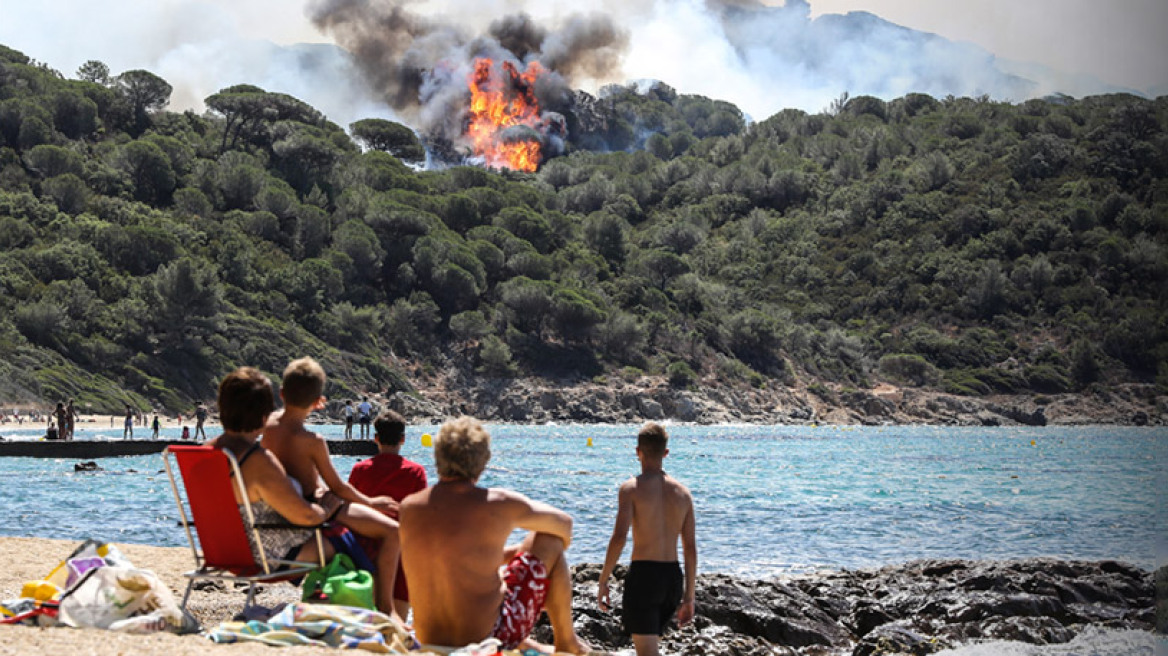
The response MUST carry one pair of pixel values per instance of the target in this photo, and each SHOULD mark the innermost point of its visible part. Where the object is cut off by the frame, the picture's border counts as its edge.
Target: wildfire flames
(505, 122)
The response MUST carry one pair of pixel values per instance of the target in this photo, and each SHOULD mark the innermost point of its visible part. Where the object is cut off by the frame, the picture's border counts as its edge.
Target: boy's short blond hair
(462, 449)
(653, 439)
(303, 383)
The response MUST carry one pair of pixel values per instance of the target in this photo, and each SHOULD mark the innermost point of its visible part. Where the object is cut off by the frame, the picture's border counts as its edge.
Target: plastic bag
(124, 599)
(341, 583)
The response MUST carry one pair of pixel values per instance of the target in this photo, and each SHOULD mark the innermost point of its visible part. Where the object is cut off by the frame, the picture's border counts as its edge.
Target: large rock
(914, 608)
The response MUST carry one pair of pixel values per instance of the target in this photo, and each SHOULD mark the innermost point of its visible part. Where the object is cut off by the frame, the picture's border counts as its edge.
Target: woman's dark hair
(245, 400)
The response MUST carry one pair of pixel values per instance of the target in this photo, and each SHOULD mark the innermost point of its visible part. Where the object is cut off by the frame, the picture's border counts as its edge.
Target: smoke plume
(421, 65)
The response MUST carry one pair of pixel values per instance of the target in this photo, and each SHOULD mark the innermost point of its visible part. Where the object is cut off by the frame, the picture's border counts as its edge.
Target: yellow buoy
(427, 441)
(590, 441)
(1032, 443)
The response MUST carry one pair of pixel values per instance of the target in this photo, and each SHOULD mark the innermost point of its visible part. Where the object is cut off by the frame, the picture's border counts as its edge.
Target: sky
(792, 59)
(1124, 42)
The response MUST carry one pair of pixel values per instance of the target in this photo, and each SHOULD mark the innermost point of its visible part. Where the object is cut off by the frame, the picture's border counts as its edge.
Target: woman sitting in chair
(245, 401)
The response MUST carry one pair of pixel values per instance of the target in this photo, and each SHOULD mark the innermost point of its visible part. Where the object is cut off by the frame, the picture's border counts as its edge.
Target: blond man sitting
(466, 584)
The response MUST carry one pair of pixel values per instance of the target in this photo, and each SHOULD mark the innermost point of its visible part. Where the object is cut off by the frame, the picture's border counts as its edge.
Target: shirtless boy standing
(659, 509)
(465, 584)
(305, 456)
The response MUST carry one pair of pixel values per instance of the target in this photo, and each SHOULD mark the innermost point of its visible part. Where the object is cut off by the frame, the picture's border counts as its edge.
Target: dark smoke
(420, 65)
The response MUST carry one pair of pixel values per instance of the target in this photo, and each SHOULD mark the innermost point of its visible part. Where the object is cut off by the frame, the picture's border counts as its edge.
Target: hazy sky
(201, 46)
(1124, 42)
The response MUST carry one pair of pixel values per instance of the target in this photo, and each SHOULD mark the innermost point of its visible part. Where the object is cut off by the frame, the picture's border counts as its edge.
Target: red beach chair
(211, 480)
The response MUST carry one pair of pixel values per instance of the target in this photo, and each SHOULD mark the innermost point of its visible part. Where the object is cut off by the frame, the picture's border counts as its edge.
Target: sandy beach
(27, 559)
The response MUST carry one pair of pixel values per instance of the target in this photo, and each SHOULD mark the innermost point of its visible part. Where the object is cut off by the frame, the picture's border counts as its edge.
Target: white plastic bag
(124, 599)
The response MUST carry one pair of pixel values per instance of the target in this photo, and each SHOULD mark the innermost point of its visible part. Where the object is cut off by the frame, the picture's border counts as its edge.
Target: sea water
(769, 500)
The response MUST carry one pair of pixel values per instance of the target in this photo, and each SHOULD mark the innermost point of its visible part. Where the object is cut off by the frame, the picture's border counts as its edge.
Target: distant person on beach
(62, 423)
(349, 419)
(466, 584)
(389, 474)
(660, 510)
(200, 417)
(128, 431)
(245, 402)
(155, 425)
(70, 420)
(305, 456)
(365, 410)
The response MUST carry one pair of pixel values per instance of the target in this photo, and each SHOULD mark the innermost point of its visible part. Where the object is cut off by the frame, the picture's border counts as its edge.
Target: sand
(27, 559)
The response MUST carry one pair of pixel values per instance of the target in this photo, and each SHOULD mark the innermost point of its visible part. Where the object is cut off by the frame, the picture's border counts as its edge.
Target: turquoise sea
(770, 499)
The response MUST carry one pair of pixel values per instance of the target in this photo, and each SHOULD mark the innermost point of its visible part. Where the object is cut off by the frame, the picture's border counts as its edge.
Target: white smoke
(762, 58)
(198, 46)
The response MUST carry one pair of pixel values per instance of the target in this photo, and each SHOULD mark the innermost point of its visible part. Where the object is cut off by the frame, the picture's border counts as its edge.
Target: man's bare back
(660, 507)
(454, 551)
(457, 533)
(660, 511)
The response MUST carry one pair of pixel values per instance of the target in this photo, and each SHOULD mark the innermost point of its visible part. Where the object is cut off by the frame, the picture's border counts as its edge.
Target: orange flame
(498, 103)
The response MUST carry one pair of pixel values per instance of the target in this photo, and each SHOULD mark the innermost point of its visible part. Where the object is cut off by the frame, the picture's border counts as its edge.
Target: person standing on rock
(128, 429)
(70, 419)
(62, 430)
(660, 510)
(349, 419)
(365, 409)
(200, 417)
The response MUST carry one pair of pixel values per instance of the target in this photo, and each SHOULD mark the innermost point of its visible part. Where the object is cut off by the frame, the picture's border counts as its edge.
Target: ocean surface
(770, 500)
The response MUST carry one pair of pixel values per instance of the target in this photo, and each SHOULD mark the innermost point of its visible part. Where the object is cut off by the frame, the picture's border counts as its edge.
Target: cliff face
(709, 402)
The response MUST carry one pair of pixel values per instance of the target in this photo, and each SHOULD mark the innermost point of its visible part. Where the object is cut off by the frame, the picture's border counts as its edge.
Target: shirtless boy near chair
(305, 455)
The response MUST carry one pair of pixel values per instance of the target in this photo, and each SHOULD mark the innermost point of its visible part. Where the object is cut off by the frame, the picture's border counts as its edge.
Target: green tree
(388, 136)
(94, 71)
(143, 92)
(149, 171)
(495, 356)
(50, 161)
(69, 192)
(186, 300)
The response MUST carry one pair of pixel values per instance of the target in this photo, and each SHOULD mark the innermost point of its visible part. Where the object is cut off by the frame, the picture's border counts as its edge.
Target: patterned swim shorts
(526, 579)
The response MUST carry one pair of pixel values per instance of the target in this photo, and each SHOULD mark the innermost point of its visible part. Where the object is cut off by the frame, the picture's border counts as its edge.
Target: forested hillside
(957, 244)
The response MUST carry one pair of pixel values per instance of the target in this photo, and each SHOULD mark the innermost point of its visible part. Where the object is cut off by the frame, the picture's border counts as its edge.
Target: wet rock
(1162, 600)
(913, 608)
(866, 617)
(87, 466)
(898, 638)
(1032, 630)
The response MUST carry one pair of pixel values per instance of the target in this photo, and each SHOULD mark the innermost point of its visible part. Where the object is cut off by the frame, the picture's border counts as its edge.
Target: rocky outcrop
(647, 398)
(917, 608)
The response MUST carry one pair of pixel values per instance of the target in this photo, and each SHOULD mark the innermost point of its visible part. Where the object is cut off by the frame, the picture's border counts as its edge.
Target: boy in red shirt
(388, 474)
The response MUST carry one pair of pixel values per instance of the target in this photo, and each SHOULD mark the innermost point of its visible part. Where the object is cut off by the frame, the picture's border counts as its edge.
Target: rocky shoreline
(915, 608)
(536, 401)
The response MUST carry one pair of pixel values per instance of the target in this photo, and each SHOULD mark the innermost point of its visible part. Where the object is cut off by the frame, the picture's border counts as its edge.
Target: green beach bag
(339, 582)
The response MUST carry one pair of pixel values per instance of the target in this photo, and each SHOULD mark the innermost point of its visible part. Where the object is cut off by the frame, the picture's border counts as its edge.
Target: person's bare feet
(575, 645)
(540, 647)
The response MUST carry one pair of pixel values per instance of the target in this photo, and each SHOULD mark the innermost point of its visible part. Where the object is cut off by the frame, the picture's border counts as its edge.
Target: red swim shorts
(526, 579)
